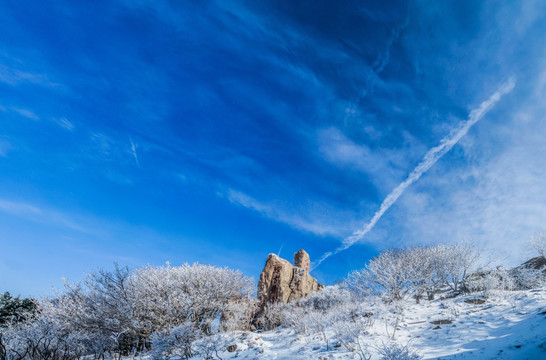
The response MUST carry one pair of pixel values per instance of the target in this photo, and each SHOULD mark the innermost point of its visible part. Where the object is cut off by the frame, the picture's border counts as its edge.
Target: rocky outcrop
(536, 263)
(280, 281)
(302, 260)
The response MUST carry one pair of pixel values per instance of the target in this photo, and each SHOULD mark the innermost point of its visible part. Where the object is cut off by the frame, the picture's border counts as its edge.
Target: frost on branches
(120, 311)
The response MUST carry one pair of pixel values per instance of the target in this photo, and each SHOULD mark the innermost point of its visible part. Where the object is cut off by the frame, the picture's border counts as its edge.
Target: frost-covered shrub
(309, 322)
(334, 315)
(102, 306)
(387, 276)
(118, 311)
(41, 339)
(489, 281)
(538, 243)
(350, 327)
(169, 296)
(327, 298)
(273, 316)
(238, 315)
(208, 347)
(526, 278)
(520, 278)
(394, 351)
(457, 263)
(397, 274)
(177, 342)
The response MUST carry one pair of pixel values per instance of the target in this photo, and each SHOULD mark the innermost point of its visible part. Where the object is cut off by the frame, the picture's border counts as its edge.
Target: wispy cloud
(64, 123)
(431, 157)
(134, 151)
(21, 112)
(5, 147)
(26, 113)
(13, 76)
(39, 214)
(381, 165)
(336, 148)
(318, 221)
(383, 59)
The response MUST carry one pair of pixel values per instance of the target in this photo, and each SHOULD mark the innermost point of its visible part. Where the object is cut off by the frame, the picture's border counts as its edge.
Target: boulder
(282, 282)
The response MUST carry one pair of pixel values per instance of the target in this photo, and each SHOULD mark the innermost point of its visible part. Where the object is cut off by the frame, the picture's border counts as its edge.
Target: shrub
(175, 343)
(394, 351)
(397, 274)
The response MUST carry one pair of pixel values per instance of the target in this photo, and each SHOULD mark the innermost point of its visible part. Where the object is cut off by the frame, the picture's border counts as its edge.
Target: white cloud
(18, 208)
(38, 214)
(134, 152)
(337, 149)
(5, 147)
(315, 218)
(64, 123)
(21, 111)
(26, 113)
(380, 166)
(12, 76)
(431, 157)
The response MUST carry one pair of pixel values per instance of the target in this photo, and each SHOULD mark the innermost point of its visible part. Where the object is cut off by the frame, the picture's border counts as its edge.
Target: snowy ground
(508, 325)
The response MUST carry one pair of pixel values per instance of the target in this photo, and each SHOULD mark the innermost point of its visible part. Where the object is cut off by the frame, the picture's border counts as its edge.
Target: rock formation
(536, 263)
(302, 260)
(280, 281)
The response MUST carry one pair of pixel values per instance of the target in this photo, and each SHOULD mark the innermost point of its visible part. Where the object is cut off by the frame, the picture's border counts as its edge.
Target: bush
(175, 343)
(538, 243)
(350, 326)
(397, 274)
(119, 311)
(394, 351)
(527, 278)
(489, 281)
(328, 298)
(41, 339)
(387, 276)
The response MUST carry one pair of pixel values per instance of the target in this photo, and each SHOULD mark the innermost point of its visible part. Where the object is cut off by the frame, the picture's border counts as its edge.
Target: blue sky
(140, 132)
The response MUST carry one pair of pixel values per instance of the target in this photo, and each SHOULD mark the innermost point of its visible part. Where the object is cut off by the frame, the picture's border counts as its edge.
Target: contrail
(431, 157)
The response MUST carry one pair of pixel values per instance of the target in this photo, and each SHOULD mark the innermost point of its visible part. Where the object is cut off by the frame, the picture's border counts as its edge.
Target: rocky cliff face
(280, 281)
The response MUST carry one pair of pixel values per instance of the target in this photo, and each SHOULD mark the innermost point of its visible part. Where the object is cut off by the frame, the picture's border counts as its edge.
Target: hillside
(508, 325)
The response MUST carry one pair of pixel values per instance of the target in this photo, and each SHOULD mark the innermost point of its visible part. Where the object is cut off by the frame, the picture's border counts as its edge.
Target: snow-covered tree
(168, 296)
(41, 338)
(538, 243)
(119, 311)
(457, 262)
(387, 276)
(177, 342)
(15, 309)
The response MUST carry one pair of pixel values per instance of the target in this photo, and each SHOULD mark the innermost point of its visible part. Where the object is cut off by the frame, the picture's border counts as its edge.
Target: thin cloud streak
(431, 157)
(134, 152)
(40, 215)
(298, 220)
(5, 147)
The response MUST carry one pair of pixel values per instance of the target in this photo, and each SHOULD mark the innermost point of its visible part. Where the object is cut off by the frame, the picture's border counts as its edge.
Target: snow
(508, 325)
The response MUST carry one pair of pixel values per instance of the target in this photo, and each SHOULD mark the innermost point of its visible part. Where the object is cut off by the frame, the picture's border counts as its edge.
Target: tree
(121, 311)
(387, 276)
(538, 243)
(168, 296)
(456, 263)
(14, 309)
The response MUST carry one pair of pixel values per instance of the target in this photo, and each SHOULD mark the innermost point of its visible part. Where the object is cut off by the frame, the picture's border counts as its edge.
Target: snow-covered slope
(508, 325)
